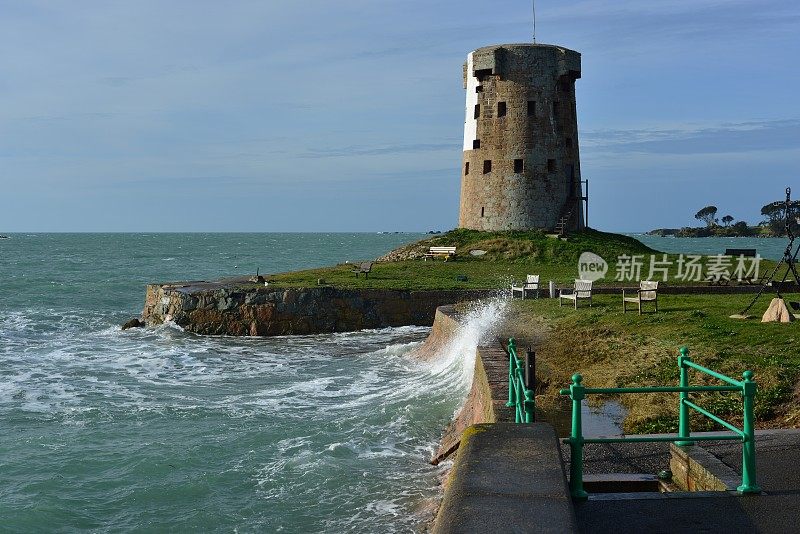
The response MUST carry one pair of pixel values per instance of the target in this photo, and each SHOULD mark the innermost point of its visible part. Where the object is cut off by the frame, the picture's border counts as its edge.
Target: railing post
(684, 429)
(530, 369)
(749, 446)
(530, 386)
(530, 406)
(576, 441)
(511, 354)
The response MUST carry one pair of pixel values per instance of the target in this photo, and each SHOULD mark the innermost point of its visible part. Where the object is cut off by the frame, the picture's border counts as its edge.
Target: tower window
(555, 108)
(487, 166)
(501, 109)
(568, 142)
(482, 210)
(551, 165)
(478, 88)
(519, 166)
(466, 168)
(476, 143)
(477, 111)
(531, 108)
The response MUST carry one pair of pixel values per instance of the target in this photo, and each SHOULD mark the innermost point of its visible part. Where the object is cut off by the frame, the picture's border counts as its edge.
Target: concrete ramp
(507, 478)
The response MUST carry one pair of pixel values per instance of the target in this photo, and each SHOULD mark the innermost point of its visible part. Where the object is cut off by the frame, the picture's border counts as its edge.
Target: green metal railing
(747, 387)
(519, 396)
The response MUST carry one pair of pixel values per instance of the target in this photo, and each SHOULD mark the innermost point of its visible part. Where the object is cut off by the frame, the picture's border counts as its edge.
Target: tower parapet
(521, 166)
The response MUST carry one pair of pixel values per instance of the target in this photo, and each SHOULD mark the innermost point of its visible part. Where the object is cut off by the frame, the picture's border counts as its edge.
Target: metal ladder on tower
(562, 226)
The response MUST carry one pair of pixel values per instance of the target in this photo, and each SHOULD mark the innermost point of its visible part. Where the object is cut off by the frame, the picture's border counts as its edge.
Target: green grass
(509, 256)
(419, 274)
(612, 349)
(533, 246)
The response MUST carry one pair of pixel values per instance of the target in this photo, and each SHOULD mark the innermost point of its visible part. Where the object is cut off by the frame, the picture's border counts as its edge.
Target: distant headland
(776, 216)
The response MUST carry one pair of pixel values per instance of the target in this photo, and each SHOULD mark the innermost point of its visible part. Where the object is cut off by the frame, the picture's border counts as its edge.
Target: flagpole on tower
(533, 7)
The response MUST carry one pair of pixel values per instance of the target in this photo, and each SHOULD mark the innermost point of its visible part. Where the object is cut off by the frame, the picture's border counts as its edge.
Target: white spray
(453, 365)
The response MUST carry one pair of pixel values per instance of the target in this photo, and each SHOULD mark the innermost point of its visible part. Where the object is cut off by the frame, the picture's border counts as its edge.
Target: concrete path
(507, 478)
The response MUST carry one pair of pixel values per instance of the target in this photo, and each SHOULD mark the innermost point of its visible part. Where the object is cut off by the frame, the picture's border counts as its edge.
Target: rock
(133, 323)
(477, 252)
(221, 308)
(777, 312)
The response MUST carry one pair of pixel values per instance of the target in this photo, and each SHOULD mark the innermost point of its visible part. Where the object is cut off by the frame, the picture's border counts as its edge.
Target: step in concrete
(620, 483)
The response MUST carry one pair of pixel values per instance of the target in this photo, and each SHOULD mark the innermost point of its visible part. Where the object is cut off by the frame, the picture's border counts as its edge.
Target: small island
(775, 214)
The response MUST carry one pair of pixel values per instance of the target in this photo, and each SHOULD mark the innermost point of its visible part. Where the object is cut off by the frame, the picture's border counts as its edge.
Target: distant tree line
(773, 224)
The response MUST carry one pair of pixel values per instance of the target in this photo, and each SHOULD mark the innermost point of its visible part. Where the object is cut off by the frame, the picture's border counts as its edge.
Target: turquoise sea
(159, 430)
(771, 248)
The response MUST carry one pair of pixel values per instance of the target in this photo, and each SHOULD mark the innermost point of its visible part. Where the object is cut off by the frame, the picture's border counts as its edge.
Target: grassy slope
(510, 256)
(613, 350)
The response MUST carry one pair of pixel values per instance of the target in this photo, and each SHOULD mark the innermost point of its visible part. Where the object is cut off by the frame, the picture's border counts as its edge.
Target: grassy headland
(612, 349)
(509, 256)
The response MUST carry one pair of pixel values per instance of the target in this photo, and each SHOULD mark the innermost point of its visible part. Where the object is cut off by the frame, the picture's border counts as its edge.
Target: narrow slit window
(531, 108)
(568, 142)
(482, 210)
(476, 143)
(551, 165)
(487, 166)
(477, 111)
(466, 168)
(501, 109)
(555, 108)
(519, 166)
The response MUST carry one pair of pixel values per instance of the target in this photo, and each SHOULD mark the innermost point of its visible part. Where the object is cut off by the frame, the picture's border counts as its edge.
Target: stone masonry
(521, 167)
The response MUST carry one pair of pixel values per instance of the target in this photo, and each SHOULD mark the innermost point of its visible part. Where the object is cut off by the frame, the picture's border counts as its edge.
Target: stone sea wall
(251, 310)
(489, 382)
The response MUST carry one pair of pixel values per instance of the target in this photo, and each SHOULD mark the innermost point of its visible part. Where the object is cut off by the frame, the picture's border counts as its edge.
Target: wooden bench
(363, 268)
(647, 292)
(440, 252)
(582, 290)
(531, 285)
(746, 252)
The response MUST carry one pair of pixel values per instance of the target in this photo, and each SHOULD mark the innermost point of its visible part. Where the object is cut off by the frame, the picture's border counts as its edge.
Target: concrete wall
(507, 478)
(503, 199)
(486, 400)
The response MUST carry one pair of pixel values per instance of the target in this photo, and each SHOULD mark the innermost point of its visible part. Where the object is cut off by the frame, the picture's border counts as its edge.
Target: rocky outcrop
(133, 323)
(239, 308)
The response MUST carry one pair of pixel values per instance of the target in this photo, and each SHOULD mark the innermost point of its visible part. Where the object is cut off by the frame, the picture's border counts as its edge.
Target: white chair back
(583, 288)
(532, 281)
(649, 289)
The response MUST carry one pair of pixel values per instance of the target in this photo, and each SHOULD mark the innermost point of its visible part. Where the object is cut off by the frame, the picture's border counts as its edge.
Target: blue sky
(347, 115)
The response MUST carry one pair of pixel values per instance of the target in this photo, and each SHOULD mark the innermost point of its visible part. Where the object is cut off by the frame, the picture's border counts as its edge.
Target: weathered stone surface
(221, 308)
(485, 402)
(500, 128)
(695, 469)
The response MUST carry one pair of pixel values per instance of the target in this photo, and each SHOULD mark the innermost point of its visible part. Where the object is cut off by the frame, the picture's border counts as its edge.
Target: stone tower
(521, 169)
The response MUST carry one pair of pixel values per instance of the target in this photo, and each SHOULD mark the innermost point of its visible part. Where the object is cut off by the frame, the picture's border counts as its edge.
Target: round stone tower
(521, 169)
